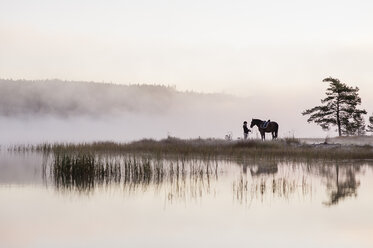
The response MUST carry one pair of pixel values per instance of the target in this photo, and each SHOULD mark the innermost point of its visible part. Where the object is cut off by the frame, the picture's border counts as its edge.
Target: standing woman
(245, 130)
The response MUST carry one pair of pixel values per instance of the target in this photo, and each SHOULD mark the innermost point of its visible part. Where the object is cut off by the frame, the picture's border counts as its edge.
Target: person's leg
(245, 135)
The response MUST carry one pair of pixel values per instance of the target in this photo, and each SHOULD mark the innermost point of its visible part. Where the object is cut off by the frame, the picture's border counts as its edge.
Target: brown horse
(272, 127)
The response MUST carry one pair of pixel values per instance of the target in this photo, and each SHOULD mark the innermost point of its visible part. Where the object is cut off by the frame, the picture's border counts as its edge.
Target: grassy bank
(214, 149)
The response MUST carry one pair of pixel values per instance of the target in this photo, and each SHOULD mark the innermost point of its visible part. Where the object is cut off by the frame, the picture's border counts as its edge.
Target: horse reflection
(268, 168)
(266, 183)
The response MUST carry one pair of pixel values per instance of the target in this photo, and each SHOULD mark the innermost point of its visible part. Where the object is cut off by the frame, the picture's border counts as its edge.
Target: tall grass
(183, 179)
(84, 171)
(212, 149)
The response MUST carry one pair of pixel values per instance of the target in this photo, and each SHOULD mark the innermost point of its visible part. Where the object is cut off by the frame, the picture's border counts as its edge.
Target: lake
(129, 201)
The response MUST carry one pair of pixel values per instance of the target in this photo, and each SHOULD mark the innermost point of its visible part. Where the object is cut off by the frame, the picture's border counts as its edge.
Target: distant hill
(72, 98)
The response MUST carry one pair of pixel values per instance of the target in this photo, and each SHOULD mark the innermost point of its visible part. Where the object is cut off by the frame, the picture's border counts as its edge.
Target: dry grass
(214, 149)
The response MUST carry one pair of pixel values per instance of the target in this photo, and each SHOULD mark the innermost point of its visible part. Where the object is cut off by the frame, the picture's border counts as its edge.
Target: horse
(272, 127)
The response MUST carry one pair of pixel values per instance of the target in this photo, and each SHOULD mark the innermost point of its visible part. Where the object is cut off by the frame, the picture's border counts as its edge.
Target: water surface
(169, 203)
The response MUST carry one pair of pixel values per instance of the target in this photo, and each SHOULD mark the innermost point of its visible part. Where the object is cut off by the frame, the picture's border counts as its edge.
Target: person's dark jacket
(245, 129)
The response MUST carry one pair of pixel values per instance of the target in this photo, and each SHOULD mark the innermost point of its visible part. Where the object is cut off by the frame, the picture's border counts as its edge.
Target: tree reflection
(267, 181)
(342, 184)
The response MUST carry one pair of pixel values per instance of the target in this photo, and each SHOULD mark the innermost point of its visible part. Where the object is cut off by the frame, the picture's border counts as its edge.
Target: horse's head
(252, 123)
(255, 122)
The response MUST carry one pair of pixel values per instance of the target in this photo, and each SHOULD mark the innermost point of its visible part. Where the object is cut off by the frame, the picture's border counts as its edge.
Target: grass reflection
(265, 183)
(81, 172)
(84, 172)
(184, 180)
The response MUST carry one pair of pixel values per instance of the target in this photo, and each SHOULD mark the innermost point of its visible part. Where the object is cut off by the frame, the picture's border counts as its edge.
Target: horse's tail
(276, 130)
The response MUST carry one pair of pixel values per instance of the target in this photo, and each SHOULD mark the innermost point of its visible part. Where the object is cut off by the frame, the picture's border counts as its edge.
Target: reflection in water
(186, 180)
(265, 168)
(190, 181)
(82, 172)
(119, 199)
(342, 184)
(341, 181)
(182, 180)
(266, 181)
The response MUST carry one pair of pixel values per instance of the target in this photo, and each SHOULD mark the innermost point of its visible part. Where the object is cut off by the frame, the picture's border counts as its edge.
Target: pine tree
(355, 124)
(370, 125)
(339, 109)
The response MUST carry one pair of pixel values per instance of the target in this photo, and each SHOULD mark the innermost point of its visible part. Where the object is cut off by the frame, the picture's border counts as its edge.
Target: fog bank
(60, 111)
(54, 110)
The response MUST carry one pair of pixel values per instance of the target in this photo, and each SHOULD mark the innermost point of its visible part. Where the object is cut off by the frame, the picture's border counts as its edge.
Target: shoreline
(288, 149)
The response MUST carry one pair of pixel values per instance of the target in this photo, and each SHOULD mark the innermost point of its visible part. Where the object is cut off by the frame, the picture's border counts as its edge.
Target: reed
(83, 172)
(213, 149)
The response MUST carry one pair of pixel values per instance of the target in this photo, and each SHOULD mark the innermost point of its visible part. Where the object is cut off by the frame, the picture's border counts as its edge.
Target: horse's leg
(276, 131)
(273, 135)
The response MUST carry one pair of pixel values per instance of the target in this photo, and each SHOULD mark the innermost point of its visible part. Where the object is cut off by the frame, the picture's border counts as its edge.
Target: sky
(271, 51)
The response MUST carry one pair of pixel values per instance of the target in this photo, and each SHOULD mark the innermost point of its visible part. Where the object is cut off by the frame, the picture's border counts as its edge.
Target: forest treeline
(73, 98)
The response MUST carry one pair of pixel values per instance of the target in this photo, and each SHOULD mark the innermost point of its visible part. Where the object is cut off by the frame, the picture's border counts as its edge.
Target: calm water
(186, 204)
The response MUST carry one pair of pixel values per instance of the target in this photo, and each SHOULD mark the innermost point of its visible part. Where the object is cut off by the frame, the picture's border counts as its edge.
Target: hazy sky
(264, 49)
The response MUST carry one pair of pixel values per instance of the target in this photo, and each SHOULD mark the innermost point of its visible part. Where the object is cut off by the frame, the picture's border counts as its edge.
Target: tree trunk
(339, 126)
(338, 119)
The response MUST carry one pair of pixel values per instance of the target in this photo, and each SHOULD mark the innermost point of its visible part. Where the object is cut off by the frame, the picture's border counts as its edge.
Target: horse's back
(272, 127)
(275, 125)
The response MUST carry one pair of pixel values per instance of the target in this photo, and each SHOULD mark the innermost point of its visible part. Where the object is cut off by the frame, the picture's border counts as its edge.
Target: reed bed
(82, 169)
(83, 172)
(211, 149)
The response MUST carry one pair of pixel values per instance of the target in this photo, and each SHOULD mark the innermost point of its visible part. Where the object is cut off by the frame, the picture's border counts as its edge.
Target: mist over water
(55, 110)
(52, 110)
